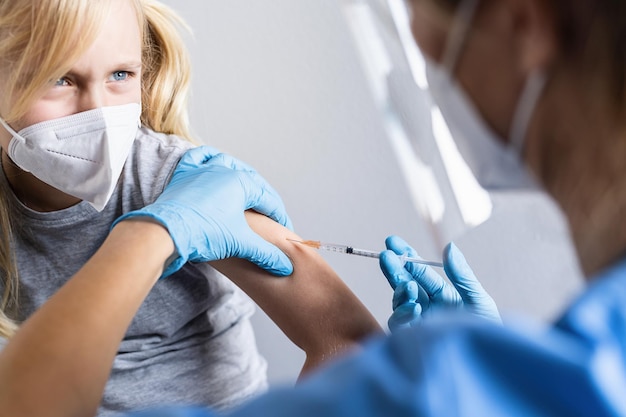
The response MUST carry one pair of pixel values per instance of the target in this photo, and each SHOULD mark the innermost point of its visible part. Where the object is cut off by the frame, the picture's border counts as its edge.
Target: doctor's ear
(535, 32)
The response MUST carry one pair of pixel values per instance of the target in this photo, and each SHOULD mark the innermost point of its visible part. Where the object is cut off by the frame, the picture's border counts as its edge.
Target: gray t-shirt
(191, 341)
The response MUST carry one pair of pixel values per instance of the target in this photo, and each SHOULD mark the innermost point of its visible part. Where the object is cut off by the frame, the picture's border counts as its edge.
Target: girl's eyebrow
(128, 64)
(118, 65)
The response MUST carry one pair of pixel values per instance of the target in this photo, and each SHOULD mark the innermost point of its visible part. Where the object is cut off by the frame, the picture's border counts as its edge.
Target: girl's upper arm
(313, 306)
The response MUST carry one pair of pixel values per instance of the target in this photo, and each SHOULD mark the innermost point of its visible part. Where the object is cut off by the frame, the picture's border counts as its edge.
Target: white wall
(279, 84)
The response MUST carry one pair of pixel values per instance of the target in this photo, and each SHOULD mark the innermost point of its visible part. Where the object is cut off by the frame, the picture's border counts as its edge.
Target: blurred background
(326, 99)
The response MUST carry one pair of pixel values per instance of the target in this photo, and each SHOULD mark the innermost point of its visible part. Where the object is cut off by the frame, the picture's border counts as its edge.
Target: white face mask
(82, 154)
(495, 164)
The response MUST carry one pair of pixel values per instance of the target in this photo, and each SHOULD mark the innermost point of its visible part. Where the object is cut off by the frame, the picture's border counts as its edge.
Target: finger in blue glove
(269, 204)
(435, 286)
(407, 315)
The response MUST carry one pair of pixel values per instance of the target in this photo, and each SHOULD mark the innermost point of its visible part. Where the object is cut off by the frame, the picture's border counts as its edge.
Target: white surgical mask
(82, 154)
(494, 163)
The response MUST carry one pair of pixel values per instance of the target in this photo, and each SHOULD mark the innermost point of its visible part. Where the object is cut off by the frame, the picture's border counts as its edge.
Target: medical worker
(544, 83)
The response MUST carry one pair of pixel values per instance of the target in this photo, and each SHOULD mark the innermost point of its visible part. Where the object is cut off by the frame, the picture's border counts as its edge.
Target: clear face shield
(439, 181)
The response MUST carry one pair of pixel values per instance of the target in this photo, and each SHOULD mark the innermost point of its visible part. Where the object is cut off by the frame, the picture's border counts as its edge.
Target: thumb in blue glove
(433, 292)
(475, 298)
(203, 210)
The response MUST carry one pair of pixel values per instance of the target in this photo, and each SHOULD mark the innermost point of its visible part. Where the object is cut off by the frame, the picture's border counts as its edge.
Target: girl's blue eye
(61, 82)
(120, 76)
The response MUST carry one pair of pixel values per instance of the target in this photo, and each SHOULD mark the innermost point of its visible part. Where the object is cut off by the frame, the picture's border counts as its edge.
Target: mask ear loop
(457, 37)
(7, 127)
(525, 109)
(15, 136)
(533, 87)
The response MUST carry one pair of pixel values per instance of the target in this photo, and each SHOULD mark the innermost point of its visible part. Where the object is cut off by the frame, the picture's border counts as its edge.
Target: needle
(332, 247)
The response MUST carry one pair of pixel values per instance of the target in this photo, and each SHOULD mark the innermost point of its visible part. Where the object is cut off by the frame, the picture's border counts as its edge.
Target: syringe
(332, 247)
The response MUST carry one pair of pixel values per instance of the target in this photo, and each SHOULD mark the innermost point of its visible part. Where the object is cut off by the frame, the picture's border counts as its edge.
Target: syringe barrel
(363, 252)
(331, 247)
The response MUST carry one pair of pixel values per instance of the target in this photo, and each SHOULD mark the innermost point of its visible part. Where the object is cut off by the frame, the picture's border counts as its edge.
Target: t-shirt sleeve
(149, 169)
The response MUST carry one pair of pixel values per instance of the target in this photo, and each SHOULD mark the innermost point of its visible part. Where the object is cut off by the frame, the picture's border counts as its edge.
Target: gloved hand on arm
(203, 210)
(419, 290)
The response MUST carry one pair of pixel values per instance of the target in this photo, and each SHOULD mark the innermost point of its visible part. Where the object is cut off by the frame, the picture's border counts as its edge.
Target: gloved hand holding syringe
(332, 247)
(419, 290)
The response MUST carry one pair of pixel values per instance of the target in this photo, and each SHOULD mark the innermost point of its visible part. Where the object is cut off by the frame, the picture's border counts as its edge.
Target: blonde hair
(40, 41)
(166, 71)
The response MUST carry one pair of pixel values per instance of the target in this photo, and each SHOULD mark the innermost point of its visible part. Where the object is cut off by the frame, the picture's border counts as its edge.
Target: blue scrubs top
(462, 366)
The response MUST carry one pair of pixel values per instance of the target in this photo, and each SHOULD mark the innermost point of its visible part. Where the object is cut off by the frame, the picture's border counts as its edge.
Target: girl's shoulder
(150, 165)
(151, 146)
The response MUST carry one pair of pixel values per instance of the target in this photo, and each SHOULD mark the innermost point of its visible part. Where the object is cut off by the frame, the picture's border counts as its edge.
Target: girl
(79, 75)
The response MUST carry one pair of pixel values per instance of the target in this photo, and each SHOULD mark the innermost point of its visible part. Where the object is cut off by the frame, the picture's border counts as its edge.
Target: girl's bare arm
(313, 306)
(58, 362)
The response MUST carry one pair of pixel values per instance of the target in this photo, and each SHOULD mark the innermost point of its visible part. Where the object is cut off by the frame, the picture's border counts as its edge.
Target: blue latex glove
(419, 290)
(203, 209)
